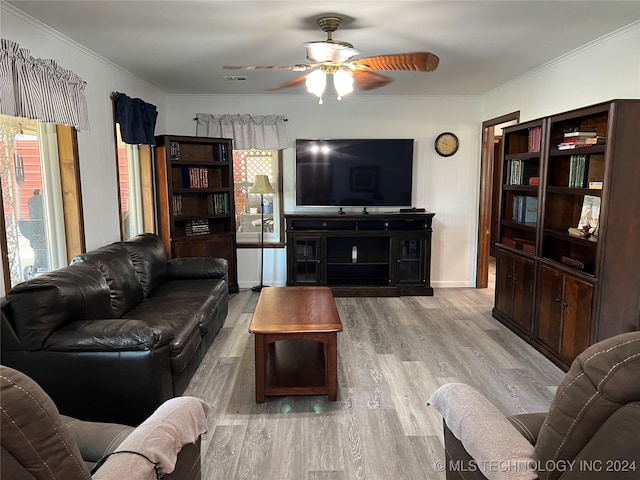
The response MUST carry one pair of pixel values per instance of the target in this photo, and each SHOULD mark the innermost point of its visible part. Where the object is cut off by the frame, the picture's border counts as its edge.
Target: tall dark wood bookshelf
(195, 203)
(560, 289)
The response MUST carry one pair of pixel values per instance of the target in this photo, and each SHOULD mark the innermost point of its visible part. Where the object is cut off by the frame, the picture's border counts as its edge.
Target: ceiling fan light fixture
(316, 82)
(330, 51)
(343, 82)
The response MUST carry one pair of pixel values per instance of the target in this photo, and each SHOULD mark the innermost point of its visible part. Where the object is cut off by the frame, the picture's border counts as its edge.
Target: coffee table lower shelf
(296, 364)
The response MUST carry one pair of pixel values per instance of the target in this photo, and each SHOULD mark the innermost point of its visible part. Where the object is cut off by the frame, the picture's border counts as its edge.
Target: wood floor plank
(392, 354)
(223, 451)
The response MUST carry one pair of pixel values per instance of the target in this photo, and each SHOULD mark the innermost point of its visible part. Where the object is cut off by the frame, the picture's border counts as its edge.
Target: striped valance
(40, 89)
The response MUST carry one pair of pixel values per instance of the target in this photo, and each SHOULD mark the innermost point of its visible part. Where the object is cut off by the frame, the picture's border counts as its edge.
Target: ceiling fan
(335, 57)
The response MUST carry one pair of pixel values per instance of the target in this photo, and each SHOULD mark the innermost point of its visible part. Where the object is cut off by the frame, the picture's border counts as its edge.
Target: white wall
(447, 186)
(603, 70)
(96, 146)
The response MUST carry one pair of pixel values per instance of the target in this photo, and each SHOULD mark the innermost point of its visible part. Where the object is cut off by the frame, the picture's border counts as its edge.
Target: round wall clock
(446, 144)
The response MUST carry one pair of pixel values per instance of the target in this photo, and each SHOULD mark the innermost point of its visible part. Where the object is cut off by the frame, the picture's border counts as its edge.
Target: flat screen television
(354, 172)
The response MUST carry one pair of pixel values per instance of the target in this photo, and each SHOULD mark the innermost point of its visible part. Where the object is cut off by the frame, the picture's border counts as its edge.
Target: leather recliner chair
(590, 432)
(39, 443)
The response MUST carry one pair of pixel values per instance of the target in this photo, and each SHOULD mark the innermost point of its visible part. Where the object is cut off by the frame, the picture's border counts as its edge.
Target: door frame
(487, 167)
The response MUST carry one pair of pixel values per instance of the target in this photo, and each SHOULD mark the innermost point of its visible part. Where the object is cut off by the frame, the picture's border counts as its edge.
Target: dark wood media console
(372, 254)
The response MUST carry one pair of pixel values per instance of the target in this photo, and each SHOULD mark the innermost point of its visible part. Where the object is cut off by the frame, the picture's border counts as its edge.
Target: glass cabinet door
(306, 261)
(410, 261)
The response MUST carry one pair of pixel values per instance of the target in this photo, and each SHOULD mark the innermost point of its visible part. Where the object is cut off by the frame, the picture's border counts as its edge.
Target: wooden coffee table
(305, 322)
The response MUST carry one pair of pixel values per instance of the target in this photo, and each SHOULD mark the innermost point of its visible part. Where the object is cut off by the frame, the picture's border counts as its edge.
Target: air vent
(234, 78)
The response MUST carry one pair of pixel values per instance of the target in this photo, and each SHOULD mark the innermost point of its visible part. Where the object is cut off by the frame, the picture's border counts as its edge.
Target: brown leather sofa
(38, 443)
(590, 432)
(119, 331)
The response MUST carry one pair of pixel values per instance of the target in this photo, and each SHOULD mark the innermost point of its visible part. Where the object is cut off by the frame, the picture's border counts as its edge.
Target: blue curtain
(137, 119)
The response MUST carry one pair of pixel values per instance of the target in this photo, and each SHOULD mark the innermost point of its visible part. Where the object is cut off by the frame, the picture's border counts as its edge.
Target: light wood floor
(392, 354)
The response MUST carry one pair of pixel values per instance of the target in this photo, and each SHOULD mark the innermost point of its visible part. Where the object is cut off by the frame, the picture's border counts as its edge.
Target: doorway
(490, 171)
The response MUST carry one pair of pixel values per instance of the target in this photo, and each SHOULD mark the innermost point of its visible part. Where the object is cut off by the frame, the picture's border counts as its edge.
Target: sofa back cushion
(54, 299)
(118, 270)
(149, 260)
(35, 442)
(601, 380)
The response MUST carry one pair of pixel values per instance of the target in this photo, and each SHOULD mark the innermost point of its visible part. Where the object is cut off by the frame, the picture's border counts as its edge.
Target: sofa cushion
(35, 442)
(203, 298)
(149, 260)
(601, 380)
(116, 266)
(54, 299)
(163, 313)
(198, 267)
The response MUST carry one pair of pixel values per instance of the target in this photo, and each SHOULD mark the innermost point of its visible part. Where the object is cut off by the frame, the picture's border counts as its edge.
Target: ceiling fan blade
(290, 83)
(365, 80)
(420, 61)
(295, 68)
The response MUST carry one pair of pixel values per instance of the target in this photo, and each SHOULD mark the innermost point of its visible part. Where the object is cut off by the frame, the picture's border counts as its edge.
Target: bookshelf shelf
(572, 238)
(521, 188)
(195, 206)
(523, 156)
(574, 191)
(522, 225)
(555, 152)
(582, 289)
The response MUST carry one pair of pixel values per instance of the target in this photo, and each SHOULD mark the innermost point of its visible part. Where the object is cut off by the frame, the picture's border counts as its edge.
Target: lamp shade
(316, 83)
(343, 82)
(262, 186)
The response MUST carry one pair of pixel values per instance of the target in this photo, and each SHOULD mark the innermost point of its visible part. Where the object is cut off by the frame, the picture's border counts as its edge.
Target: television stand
(361, 254)
(364, 211)
(341, 212)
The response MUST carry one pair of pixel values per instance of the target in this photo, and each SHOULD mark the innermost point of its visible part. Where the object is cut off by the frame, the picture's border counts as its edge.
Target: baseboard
(452, 284)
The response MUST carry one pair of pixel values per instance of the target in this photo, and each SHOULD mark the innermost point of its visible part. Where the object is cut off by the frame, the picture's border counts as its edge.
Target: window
(42, 230)
(246, 165)
(135, 188)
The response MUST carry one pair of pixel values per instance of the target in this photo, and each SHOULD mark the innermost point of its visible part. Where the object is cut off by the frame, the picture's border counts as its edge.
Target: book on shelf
(525, 209)
(589, 215)
(578, 171)
(578, 263)
(572, 145)
(196, 227)
(535, 137)
(174, 150)
(519, 172)
(576, 138)
(595, 185)
(218, 203)
(177, 204)
(195, 177)
(582, 133)
(595, 140)
(222, 153)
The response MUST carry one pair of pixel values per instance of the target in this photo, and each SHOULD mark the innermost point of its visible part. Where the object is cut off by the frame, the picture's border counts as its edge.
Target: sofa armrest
(95, 439)
(8, 335)
(158, 442)
(485, 433)
(197, 267)
(108, 335)
(528, 424)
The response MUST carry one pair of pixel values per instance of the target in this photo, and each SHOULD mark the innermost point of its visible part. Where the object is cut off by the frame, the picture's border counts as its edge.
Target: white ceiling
(180, 46)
